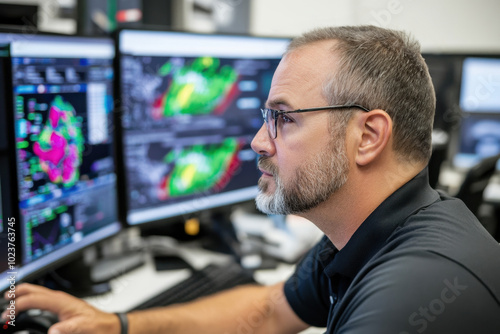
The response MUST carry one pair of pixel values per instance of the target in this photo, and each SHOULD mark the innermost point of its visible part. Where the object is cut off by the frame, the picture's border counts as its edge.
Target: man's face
(306, 163)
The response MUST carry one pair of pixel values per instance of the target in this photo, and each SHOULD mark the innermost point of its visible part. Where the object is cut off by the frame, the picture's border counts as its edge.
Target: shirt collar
(372, 234)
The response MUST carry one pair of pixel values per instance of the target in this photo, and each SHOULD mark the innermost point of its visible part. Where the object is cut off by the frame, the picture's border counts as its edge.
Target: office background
(443, 27)
(440, 26)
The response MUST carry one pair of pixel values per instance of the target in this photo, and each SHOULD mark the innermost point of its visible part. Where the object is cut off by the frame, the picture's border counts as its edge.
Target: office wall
(48, 15)
(439, 25)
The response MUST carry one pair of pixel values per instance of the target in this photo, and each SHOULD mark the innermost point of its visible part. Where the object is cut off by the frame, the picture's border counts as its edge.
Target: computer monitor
(479, 138)
(479, 133)
(189, 110)
(62, 114)
(480, 89)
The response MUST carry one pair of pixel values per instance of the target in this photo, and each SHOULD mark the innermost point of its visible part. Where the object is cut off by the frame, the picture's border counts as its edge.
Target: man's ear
(376, 133)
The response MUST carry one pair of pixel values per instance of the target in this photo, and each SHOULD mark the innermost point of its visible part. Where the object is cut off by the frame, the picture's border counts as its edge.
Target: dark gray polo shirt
(420, 263)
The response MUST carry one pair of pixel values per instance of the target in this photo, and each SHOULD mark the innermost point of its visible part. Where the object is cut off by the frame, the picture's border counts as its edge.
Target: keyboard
(209, 280)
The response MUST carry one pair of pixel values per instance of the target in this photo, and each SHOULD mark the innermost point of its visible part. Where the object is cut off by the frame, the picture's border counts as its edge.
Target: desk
(452, 178)
(142, 283)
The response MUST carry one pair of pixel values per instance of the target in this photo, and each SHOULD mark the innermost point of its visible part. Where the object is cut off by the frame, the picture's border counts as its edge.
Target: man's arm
(246, 309)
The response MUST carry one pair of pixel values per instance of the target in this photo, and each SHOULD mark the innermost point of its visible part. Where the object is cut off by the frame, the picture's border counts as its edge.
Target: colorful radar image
(188, 124)
(199, 168)
(201, 87)
(60, 144)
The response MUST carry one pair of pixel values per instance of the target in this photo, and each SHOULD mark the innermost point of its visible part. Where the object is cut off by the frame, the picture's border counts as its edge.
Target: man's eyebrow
(276, 103)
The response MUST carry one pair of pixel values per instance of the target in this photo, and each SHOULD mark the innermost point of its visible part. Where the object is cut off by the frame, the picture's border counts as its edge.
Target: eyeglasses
(271, 116)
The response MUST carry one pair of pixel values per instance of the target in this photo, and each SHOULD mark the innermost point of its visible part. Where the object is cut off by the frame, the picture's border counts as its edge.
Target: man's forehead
(302, 72)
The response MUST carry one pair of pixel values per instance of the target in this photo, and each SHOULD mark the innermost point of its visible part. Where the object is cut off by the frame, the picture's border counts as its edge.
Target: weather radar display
(66, 180)
(60, 143)
(196, 88)
(190, 109)
(199, 168)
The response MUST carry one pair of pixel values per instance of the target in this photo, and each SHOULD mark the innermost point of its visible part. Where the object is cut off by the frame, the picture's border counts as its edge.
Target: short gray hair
(381, 69)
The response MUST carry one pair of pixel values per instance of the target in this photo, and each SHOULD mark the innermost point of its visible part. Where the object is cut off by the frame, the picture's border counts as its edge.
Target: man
(346, 140)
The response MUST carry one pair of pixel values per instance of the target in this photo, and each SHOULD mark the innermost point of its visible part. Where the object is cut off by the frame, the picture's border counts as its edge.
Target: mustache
(266, 164)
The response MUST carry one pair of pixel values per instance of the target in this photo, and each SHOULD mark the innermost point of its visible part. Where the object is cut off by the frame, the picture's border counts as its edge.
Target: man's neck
(342, 214)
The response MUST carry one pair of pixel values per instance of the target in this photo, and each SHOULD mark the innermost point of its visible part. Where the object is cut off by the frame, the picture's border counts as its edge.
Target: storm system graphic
(202, 87)
(188, 124)
(60, 144)
(198, 168)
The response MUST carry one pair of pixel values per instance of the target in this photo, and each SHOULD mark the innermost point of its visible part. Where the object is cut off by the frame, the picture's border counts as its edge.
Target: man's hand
(75, 315)
(249, 309)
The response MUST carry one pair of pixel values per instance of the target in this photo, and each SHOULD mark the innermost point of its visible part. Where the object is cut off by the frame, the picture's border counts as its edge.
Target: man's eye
(285, 118)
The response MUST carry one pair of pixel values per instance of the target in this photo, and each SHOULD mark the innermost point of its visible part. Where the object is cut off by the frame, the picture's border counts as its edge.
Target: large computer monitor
(189, 110)
(479, 138)
(63, 147)
(479, 135)
(480, 89)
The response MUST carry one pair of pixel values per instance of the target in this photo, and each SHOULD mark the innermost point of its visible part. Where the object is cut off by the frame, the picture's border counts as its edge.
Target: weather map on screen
(202, 86)
(190, 109)
(60, 143)
(62, 94)
(199, 168)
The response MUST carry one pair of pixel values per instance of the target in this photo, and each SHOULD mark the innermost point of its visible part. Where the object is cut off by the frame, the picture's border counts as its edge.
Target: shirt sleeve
(307, 289)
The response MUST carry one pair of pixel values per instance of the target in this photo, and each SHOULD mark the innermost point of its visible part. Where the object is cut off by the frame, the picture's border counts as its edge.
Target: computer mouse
(32, 322)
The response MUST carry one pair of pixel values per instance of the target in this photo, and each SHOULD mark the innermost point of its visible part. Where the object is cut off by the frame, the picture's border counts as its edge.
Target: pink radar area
(56, 151)
(60, 144)
(70, 164)
(54, 115)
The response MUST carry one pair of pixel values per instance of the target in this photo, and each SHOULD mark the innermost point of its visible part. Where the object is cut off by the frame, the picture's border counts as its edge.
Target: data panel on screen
(62, 97)
(190, 108)
(480, 89)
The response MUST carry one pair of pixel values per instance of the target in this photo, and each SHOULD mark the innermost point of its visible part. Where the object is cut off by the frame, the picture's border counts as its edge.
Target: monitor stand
(75, 279)
(81, 279)
(222, 237)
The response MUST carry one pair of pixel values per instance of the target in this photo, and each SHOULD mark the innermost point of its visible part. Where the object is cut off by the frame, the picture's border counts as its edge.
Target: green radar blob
(198, 88)
(200, 168)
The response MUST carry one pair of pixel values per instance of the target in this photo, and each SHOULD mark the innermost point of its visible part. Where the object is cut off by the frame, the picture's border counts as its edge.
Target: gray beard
(312, 184)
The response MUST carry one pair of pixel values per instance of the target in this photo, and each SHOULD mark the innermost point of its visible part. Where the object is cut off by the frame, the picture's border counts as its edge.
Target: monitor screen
(479, 138)
(480, 89)
(189, 110)
(66, 179)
